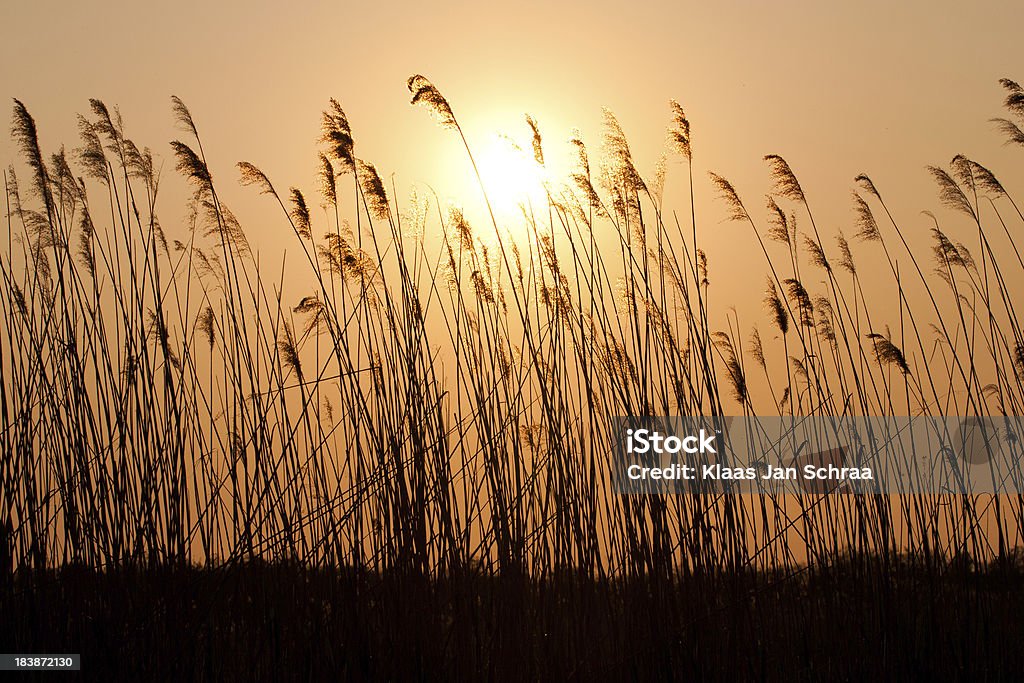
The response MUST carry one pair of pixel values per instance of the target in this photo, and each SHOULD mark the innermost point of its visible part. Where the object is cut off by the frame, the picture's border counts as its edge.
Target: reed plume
(776, 308)
(786, 184)
(887, 353)
(679, 132)
(424, 92)
(727, 193)
(336, 134)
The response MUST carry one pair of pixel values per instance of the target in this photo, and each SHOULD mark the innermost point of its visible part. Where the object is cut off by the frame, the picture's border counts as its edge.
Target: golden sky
(836, 88)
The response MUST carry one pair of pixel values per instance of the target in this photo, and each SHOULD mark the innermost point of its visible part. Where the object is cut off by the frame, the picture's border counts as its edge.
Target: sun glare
(510, 175)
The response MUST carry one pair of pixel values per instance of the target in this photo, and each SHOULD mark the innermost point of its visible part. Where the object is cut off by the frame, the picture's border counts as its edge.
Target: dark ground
(254, 621)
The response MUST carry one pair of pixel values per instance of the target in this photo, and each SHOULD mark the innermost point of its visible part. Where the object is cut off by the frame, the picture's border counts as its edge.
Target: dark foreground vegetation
(864, 620)
(388, 456)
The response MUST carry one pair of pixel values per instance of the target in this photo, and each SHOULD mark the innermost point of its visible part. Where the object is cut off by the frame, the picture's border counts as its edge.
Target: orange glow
(510, 175)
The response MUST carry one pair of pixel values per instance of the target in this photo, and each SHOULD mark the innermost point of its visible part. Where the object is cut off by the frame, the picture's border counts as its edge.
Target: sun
(510, 175)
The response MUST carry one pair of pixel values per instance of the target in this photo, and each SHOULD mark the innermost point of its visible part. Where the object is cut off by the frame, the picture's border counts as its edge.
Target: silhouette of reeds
(438, 415)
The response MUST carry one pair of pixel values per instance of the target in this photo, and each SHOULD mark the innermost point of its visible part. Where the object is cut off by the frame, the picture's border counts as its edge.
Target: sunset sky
(836, 88)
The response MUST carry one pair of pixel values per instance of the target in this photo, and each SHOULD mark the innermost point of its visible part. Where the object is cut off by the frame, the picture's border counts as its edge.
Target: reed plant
(445, 408)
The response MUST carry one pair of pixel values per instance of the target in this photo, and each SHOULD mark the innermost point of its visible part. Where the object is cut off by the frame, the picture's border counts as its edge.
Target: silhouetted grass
(408, 460)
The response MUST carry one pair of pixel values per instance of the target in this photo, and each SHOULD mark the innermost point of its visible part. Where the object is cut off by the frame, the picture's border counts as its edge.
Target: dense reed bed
(443, 408)
(284, 621)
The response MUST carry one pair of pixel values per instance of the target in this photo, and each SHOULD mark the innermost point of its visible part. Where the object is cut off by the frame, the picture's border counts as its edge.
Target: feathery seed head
(538, 150)
(817, 253)
(1012, 132)
(328, 185)
(986, 179)
(206, 325)
(950, 193)
(798, 294)
(289, 352)
(1014, 96)
(181, 114)
(846, 256)
(250, 175)
(728, 194)
(786, 184)
(300, 214)
(90, 154)
(373, 190)
(424, 92)
(867, 228)
(190, 165)
(757, 348)
(887, 353)
(679, 131)
(336, 134)
(778, 226)
(776, 308)
(867, 185)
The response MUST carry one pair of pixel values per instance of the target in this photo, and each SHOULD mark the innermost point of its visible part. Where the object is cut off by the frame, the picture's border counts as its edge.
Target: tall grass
(441, 406)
